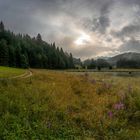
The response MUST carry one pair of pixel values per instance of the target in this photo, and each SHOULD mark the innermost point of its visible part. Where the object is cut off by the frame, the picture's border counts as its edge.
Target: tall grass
(66, 106)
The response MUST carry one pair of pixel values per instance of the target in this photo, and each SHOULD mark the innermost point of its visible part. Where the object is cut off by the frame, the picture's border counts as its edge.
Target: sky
(87, 28)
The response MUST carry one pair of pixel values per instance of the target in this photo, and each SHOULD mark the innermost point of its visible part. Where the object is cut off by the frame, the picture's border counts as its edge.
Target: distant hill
(127, 56)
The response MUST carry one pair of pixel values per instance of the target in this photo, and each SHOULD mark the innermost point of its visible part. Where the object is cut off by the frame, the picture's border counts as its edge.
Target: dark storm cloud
(64, 21)
(131, 45)
(102, 21)
(17, 15)
(127, 31)
(100, 24)
(15, 11)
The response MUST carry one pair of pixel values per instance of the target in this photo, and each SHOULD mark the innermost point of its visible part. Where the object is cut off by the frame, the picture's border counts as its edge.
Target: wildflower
(110, 114)
(119, 106)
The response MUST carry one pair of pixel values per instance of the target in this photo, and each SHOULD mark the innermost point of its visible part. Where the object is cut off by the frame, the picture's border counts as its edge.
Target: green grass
(6, 72)
(57, 105)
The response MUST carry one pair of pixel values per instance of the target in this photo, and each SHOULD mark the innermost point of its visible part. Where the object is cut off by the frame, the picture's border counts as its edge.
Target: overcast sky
(87, 28)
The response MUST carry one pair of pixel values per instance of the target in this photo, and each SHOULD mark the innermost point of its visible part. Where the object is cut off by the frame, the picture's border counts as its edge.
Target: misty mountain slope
(126, 56)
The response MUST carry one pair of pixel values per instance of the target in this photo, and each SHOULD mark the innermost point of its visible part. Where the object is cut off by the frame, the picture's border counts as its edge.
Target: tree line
(96, 64)
(125, 63)
(23, 51)
(102, 63)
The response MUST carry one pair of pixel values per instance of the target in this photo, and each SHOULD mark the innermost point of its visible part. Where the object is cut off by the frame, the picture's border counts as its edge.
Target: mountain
(125, 56)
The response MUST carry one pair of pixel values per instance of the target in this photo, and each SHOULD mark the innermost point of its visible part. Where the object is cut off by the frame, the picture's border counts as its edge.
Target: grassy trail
(13, 73)
(27, 74)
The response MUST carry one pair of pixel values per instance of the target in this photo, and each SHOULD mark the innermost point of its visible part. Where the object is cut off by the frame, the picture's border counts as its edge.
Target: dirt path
(27, 74)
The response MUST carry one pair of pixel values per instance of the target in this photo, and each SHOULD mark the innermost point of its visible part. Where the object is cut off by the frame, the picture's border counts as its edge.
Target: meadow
(6, 72)
(62, 105)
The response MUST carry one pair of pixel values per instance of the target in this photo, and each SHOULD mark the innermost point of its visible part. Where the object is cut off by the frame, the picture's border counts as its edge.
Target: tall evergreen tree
(4, 53)
(12, 59)
(24, 62)
(18, 57)
(1, 26)
(71, 61)
(39, 38)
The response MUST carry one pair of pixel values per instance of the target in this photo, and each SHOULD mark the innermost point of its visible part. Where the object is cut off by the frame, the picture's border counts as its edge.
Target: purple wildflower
(110, 114)
(119, 106)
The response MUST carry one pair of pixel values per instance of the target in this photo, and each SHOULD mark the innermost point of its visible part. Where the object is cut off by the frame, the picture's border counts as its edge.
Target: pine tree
(71, 61)
(24, 61)
(92, 64)
(4, 53)
(39, 38)
(12, 59)
(18, 57)
(1, 26)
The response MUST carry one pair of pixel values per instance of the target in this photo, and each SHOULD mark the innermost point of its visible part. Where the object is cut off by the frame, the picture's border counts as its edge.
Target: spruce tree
(4, 53)
(39, 38)
(24, 61)
(1, 26)
(71, 61)
(12, 58)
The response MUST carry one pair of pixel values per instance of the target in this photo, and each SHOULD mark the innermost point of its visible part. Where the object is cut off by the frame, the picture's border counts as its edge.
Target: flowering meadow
(60, 105)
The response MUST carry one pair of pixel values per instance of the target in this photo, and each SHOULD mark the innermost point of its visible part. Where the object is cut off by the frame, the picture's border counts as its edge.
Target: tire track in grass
(27, 74)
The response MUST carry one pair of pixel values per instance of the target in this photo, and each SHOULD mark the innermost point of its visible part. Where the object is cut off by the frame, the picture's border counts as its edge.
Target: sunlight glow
(83, 39)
